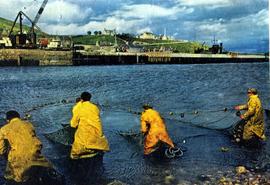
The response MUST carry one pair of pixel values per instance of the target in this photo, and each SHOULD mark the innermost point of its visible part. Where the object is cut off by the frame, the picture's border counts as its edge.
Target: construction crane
(20, 39)
(31, 32)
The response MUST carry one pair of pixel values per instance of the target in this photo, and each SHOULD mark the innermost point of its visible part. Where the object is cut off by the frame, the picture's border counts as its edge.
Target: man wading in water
(26, 165)
(89, 141)
(254, 120)
(156, 138)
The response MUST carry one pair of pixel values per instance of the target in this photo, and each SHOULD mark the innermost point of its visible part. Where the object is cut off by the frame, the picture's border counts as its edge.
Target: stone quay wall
(34, 57)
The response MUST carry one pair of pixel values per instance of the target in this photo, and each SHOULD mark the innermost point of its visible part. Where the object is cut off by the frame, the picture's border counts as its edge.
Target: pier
(38, 57)
(34, 57)
(164, 58)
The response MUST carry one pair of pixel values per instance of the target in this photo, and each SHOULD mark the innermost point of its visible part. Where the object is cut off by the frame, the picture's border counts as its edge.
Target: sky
(241, 25)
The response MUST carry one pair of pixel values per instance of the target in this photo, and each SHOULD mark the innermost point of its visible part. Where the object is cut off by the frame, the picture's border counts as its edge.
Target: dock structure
(164, 58)
(38, 57)
(34, 57)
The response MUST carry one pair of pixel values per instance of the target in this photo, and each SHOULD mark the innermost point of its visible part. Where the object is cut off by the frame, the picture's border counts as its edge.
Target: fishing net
(221, 119)
(64, 136)
(218, 119)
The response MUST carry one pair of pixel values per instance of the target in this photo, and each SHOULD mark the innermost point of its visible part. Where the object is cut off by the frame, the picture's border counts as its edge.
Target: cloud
(61, 29)
(55, 11)
(65, 12)
(9, 9)
(217, 28)
(251, 30)
(120, 25)
(129, 18)
(261, 18)
(209, 3)
(149, 11)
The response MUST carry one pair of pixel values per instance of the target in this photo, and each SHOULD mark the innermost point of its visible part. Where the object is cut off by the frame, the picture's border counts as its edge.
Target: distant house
(165, 36)
(55, 43)
(147, 35)
(109, 32)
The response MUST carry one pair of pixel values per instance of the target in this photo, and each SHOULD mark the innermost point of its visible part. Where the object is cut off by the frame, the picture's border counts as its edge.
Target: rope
(27, 114)
(173, 152)
(203, 124)
(182, 114)
(196, 113)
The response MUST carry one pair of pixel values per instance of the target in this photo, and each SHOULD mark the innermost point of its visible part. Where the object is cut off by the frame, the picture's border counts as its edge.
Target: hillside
(5, 27)
(94, 39)
(145, 44)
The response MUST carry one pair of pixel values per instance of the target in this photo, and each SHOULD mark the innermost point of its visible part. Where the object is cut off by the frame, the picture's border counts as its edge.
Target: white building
(148, 35)
(109, 32)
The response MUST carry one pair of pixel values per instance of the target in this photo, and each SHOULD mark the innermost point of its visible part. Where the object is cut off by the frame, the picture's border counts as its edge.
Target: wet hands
(237, 107)
(238, 113)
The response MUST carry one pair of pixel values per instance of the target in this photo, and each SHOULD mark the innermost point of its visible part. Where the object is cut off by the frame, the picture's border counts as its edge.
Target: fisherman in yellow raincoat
(154, 130)
(25, 162)
(254, 127)
(89, 139)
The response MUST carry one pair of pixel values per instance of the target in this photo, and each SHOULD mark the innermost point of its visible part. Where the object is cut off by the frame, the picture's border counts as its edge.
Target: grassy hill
(6, 25)
(146, 44)
(93, 39)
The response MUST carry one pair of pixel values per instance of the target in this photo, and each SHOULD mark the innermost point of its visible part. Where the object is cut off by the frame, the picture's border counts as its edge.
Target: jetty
(41, 57)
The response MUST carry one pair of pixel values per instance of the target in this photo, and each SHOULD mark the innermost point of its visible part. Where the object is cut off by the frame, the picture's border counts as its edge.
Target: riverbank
(38, 57)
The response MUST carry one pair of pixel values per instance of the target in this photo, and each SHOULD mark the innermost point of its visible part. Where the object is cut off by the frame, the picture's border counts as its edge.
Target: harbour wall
(164, 58)
(37, 57)
(34, 57)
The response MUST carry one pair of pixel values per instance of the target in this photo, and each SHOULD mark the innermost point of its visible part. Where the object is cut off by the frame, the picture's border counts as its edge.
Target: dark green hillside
(94, 39)
(5, 26)
(147, 44)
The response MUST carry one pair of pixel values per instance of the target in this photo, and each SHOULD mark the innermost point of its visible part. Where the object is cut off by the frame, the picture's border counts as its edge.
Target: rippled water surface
(201, 92)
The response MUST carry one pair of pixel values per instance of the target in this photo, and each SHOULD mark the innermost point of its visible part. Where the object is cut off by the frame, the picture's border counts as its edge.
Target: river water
(199, 92)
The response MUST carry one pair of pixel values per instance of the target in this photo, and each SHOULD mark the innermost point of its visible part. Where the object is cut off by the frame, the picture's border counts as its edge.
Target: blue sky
(242, 25)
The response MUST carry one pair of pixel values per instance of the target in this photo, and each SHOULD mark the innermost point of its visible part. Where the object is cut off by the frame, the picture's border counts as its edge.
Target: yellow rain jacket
(24, 149)
(254, 118)
(89, 136)
(155, 130)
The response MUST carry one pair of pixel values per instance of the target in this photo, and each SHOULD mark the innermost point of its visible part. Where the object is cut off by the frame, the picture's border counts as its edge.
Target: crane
(21, 38)
(38, 15)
